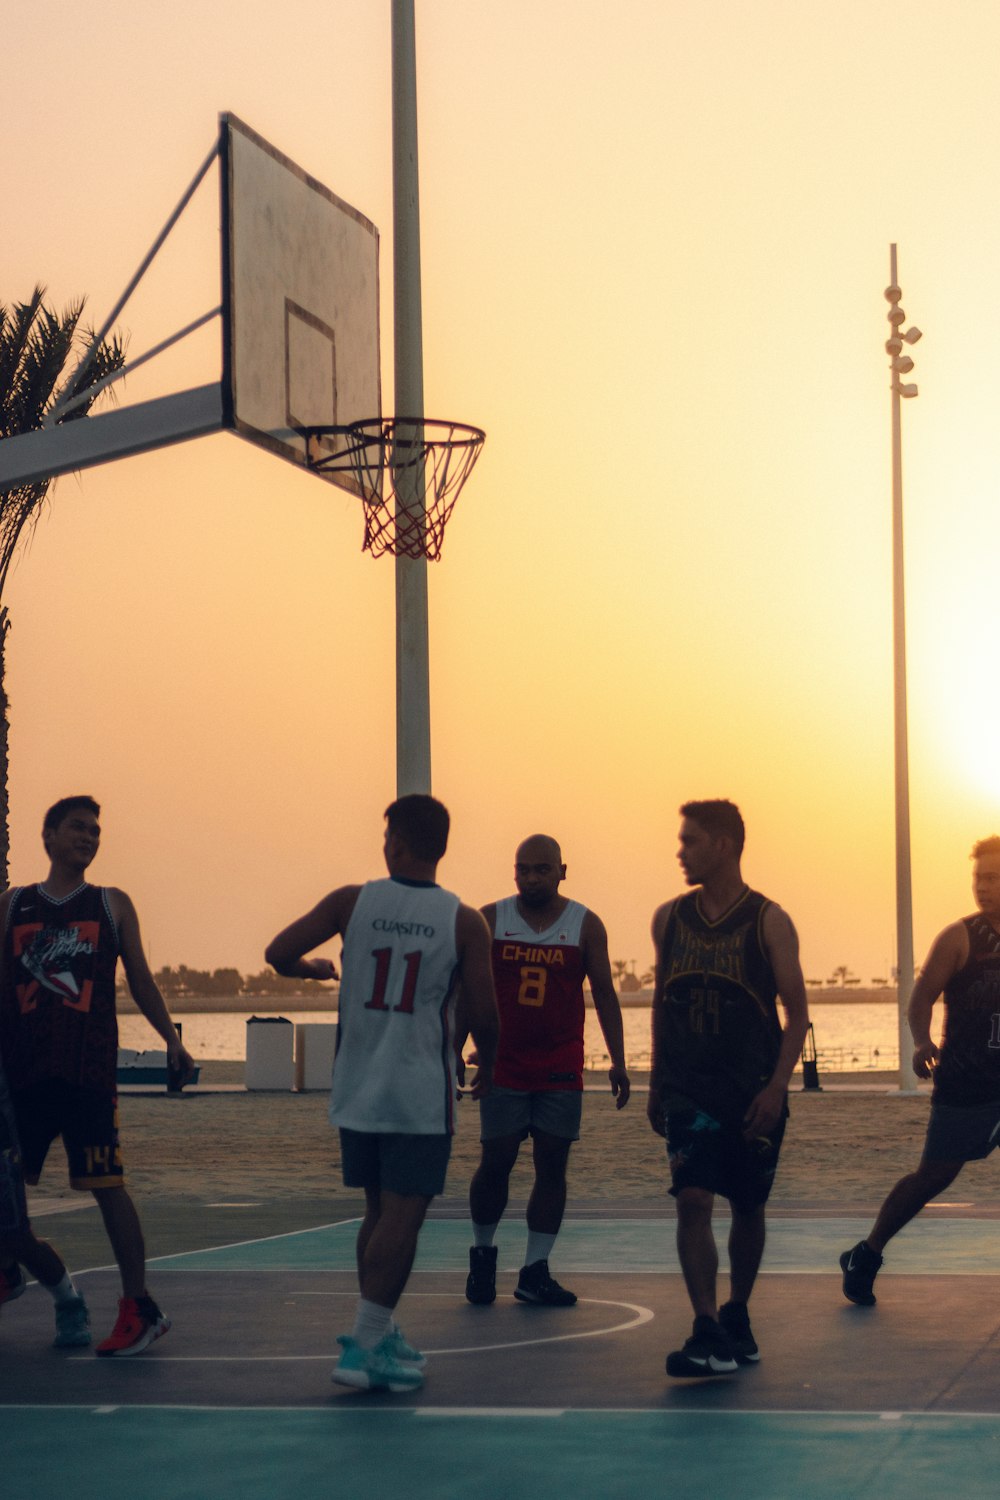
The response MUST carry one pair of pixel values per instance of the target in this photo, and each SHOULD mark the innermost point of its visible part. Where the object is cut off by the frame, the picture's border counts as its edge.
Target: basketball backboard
(300, 301)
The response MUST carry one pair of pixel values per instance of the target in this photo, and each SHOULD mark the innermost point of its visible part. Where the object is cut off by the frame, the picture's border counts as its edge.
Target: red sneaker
(140, 1321)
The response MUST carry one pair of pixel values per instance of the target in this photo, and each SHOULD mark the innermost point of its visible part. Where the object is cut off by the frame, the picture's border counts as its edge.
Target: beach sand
(843, 1150)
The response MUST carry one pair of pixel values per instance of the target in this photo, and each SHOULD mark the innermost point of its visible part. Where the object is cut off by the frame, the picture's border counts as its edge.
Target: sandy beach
(843, 1149)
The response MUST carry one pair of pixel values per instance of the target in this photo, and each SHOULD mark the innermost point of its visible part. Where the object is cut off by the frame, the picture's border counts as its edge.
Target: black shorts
(705, 1153)
(411, 1165)
(13, 1202)
(87, 1120)
(962, 1132)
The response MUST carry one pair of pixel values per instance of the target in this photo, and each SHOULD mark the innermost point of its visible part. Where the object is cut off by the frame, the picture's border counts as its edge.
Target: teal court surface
(900, 1400)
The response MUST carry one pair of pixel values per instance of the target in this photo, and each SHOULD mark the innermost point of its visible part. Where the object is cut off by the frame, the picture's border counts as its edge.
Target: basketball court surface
(237, 1401)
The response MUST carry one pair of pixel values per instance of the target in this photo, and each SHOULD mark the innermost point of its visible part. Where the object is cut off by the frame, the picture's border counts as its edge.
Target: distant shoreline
(325, 1001)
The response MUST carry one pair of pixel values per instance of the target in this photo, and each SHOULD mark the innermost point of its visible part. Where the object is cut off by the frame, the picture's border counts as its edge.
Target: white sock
(371, 1323)
(63, 1291)
(539, 1247)
(483, 1234)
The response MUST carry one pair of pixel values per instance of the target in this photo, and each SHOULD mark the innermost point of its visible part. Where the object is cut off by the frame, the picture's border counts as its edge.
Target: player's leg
(555, 1125)
(504, 1117)
(400, 1176)
(955, 1135)
(749, 1168)
(693, 1149)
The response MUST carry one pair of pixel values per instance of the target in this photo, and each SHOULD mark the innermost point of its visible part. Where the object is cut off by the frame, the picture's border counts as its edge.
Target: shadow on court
(237, 1399)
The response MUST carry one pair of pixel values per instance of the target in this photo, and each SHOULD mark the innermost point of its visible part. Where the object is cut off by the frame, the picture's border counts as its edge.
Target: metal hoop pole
(413, 717)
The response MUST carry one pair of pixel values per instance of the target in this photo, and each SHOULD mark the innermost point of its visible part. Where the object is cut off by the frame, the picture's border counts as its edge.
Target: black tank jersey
(57, 1005)
(720, 1034)
(968, 1070)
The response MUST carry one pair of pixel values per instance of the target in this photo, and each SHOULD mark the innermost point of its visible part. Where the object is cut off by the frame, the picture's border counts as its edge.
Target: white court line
(676, 1413)
(643, 1315)
(264, 1239)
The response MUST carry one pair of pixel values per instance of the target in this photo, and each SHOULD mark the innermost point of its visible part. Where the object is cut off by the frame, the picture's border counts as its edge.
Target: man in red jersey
(62, 939)
(544, 947)
(964, 1124)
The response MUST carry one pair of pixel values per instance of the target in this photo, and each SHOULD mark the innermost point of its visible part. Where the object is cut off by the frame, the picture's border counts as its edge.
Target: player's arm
(949, 953)
(597, 967)
(462, 1027)
(781, 944)
(286, 953)
(478, 999)
(5, 901)
(145, 991)
(654, 1104)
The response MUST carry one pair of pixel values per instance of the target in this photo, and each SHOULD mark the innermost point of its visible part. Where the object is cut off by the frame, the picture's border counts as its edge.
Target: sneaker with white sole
(373, 1369)
(734, 1320)
(72, 1324)
(707, 1352)
(139, 1323)
(396, 1343)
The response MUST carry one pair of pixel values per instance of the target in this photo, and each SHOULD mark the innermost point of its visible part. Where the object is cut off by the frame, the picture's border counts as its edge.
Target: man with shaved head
(544, 947)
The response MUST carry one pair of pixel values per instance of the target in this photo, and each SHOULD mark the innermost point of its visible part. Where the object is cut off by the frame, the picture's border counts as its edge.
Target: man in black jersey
(964, 1124)
(720, 1071)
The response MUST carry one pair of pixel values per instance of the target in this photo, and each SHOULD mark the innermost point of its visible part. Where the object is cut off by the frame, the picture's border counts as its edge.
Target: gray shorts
(522, 1112)
(962, 1132)
(411, 1165)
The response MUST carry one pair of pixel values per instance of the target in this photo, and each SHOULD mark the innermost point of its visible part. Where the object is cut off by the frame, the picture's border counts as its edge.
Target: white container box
(315, 1045)
(269, 1062)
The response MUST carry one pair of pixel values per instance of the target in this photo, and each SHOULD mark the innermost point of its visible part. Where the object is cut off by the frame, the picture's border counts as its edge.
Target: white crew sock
(63, 1291)
(483, 1234)
(371, 1323)
(539, 1247)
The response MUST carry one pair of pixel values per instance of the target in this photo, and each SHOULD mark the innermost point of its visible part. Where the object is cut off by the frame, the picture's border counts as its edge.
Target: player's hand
(180, 1061)
(482, 1080)
(321, 969)
(655, 1113)
(925, 1060)
(620, 1086)
(764, 1113)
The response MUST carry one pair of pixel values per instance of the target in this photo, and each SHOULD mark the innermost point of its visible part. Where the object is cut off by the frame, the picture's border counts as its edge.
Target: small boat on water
(146, 1067)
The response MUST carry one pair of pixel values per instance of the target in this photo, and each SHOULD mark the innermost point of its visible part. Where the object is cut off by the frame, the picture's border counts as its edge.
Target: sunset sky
(655, 242)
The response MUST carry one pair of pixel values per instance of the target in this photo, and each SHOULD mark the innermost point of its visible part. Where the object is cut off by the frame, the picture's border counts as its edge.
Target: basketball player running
(20, 1247)
(406, 944)
(964, 1124)
(544, 947)
(62, 939)
(720, 1071)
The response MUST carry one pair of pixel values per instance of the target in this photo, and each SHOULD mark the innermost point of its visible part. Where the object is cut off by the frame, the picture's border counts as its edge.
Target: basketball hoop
(409, 471)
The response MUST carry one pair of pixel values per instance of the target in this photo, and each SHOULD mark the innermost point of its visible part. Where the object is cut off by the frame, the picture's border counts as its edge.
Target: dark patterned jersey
(968, 1070)
(57, 1002)
(718, 1028)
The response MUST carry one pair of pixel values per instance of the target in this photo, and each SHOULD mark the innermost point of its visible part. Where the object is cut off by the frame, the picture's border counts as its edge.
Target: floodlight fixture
(913, 335)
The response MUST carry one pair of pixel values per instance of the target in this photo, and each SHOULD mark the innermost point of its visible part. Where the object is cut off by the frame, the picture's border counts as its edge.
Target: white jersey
(395, 1064)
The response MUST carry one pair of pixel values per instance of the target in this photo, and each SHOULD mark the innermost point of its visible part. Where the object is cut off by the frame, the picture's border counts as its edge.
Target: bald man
(544, 947)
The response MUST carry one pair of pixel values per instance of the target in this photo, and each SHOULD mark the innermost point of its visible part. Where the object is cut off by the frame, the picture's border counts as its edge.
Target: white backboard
(300, 301)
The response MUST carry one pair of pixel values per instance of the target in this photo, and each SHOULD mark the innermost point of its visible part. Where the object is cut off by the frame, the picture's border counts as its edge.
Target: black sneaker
(536, 1285)
(12, 1282)
(860, 1267)
(481, 1286)
(707, 1352)
(734, 1320)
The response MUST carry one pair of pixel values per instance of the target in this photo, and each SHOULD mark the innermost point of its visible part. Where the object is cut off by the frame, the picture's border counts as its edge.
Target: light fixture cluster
(900, 363)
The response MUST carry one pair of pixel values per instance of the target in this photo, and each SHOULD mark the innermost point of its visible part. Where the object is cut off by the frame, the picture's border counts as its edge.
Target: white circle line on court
(642, 1315)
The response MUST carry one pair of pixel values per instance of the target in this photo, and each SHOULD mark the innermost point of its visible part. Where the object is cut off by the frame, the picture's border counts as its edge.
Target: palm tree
(35, 346)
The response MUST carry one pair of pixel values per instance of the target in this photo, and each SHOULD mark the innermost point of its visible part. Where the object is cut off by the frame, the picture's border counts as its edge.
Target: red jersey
(539, 984)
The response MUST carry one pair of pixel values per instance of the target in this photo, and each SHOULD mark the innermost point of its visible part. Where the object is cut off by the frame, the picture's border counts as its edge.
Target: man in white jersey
(407, 944)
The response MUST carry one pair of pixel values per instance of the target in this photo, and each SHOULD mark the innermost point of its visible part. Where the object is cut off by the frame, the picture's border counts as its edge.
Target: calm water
(848, 1037)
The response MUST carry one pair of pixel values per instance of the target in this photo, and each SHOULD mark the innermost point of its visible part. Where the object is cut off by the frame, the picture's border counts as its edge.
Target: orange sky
(655, 239)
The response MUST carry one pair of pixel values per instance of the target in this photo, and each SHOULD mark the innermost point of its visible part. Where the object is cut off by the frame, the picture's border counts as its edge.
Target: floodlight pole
(413, 717)
(900, 364)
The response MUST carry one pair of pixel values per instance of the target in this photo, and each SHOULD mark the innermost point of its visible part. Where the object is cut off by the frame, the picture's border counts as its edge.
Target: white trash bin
(269, 1063)
(315, 1045)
